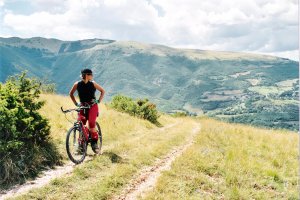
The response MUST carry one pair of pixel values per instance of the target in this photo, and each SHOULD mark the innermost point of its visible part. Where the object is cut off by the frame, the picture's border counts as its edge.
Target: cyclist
(86, 89)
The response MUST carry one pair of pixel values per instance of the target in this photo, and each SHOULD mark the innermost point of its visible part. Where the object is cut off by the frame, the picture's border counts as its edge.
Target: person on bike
(86, 89)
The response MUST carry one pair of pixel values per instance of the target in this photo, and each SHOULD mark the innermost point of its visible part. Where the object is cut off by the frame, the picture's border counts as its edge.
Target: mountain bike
(78, 136)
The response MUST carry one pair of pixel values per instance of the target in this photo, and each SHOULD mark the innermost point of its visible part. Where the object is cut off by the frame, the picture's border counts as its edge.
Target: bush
(25, 144)
(141, 108)
(179, 114)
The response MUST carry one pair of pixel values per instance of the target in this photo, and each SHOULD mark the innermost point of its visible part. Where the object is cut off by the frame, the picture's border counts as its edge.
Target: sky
(258, 26)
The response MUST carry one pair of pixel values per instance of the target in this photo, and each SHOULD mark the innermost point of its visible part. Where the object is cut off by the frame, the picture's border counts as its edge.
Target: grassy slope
(113, 124)
(227, 160)
(129, 145)
(230, 161)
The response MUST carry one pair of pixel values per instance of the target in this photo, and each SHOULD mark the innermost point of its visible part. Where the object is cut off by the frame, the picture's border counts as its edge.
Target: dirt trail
(59, 171)
(147, 178)
(39, 182)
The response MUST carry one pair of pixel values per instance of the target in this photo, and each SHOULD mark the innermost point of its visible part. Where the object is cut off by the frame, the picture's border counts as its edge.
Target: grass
(230, 161)
(113, 124)
(129, 145)
(226, 161)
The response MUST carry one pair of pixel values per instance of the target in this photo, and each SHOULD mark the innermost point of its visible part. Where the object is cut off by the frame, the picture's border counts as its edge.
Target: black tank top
(86, 91)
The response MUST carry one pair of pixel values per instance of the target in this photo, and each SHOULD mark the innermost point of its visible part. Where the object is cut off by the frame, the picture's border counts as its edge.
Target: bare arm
(73, 89)
(98, 87)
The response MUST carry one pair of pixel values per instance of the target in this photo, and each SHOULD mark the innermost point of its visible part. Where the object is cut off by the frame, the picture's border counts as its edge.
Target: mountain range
(237, 87)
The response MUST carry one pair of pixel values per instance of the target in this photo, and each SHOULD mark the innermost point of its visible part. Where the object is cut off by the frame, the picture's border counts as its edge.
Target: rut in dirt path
(147, 177)
(58, 172)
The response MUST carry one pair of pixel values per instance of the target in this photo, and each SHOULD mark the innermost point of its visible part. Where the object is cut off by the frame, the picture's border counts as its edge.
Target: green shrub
(25, 144)
(140, 108)
(179, 114)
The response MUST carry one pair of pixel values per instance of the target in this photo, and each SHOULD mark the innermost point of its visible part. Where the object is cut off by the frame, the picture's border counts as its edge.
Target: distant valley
(237, 87)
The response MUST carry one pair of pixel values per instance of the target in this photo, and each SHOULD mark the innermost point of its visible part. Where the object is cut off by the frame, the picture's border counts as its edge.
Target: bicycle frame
(79, 124)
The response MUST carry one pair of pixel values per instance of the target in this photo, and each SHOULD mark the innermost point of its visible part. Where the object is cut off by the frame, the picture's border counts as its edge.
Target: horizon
(253, 53)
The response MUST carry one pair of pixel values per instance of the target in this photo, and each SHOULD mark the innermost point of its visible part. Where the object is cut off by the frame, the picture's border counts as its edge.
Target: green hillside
(227, 161)
(236, 87)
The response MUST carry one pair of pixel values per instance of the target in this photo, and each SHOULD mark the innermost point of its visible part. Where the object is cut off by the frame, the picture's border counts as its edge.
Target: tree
(25, 143)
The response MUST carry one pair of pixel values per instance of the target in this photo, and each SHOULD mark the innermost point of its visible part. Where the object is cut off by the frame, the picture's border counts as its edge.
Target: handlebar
(77, 109)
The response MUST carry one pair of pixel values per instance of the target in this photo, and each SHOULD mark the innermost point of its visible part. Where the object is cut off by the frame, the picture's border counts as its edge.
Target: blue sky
(259, 26)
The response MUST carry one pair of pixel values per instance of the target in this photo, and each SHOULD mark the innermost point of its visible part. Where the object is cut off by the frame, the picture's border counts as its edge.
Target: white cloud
(52, 6)
(233, 25)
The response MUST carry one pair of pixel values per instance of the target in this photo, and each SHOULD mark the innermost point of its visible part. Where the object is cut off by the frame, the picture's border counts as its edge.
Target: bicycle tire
(72, 132)
(99, 142)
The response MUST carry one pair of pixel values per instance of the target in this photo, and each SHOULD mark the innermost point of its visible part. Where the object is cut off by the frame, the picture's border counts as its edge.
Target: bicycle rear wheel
(76, 145)
(99, 141)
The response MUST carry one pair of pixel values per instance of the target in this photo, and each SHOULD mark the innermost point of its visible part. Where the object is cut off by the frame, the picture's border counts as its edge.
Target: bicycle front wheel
(76, 145)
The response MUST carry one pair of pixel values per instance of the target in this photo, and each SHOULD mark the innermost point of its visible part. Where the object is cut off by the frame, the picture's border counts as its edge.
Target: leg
(93, 112)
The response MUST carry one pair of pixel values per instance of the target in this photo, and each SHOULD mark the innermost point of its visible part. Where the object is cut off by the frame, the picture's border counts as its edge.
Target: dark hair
(85, 71)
